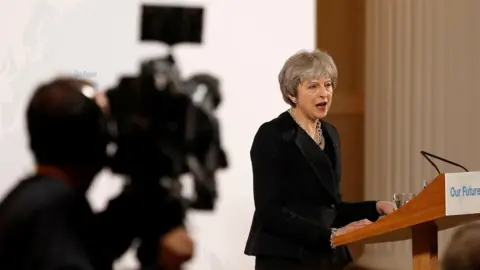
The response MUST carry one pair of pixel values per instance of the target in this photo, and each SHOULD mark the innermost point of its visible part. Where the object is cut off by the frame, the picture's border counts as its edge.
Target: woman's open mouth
(322, 105)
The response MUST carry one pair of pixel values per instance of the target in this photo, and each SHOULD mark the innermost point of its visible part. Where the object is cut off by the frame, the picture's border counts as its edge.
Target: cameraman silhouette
(46, 222)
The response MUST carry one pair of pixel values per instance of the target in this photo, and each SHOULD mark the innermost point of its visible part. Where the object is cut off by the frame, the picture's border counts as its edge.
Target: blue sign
(85, 74)
(464, 191)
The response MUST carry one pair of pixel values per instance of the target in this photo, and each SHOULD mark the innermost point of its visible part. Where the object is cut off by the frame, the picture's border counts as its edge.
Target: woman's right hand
(353, 226)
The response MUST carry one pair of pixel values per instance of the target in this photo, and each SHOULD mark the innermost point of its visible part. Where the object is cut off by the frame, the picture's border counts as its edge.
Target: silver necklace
(320, 141)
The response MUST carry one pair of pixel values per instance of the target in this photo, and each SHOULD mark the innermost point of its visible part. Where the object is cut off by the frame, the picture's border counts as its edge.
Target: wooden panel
(347, 103)
(340, 31)
(425, 246)
(350, 127)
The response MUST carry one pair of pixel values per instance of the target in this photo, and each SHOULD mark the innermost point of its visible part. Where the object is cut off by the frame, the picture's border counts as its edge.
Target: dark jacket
(297, 194)
(46, 225)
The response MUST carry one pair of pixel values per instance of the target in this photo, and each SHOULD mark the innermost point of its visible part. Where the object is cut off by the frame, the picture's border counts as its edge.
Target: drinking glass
(400, 199)
(425, 183)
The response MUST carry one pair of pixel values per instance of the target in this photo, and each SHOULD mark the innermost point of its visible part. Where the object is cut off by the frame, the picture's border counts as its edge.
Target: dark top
(297, 195)
(45, 225)
(329, 150)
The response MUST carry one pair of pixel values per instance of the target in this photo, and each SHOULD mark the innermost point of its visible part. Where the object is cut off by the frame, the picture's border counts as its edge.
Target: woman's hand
(353, 226)
(385, 207)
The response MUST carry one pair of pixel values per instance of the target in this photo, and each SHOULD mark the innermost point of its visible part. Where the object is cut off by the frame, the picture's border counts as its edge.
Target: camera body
(164, 126)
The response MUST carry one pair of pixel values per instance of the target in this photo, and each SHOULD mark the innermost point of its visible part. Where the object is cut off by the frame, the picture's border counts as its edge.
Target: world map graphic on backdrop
(27, 30)
(32, 23)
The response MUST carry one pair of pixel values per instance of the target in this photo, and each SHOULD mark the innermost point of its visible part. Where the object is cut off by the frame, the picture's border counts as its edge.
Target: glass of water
(400, 199)
(425, 183)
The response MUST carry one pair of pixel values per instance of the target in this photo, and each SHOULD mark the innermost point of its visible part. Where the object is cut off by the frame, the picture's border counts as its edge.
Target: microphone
(427, 156)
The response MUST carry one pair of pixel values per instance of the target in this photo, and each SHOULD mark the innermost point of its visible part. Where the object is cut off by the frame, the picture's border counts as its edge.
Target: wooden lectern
(448, 201)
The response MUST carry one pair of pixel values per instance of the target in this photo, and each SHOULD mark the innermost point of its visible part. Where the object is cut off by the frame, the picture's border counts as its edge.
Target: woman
(296, 172)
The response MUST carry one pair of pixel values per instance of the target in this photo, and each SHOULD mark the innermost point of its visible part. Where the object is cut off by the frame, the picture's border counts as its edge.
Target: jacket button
(332, 206)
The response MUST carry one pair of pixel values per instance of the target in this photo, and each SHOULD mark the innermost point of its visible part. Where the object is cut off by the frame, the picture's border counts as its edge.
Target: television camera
(165, 126)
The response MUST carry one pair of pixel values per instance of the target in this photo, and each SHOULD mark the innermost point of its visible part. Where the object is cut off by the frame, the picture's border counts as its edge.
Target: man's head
(462, 251)
(66, 128)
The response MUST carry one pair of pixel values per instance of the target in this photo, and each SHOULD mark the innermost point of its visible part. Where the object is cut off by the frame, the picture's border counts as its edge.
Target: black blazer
(297, 195)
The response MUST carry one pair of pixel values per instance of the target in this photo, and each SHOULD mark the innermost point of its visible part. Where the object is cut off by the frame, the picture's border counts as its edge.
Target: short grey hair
(462, 251)
(305, 65)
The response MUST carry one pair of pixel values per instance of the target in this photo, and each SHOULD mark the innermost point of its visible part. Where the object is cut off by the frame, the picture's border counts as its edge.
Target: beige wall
(421, 91)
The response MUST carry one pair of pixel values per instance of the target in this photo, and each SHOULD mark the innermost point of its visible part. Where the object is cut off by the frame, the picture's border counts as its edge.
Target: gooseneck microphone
(427, 156)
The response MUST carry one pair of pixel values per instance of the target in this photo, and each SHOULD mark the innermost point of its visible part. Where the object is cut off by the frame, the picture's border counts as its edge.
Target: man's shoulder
(32, 195)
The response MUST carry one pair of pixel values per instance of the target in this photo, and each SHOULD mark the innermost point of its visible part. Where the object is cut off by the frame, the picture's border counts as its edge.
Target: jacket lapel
(318, 160)
(315, 157)
(331, 136)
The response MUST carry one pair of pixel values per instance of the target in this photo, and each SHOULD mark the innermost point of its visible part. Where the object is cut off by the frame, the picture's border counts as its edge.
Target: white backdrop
(245, 44)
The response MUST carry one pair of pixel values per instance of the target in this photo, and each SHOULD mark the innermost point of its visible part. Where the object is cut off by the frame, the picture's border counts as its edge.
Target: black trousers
(274, 263)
